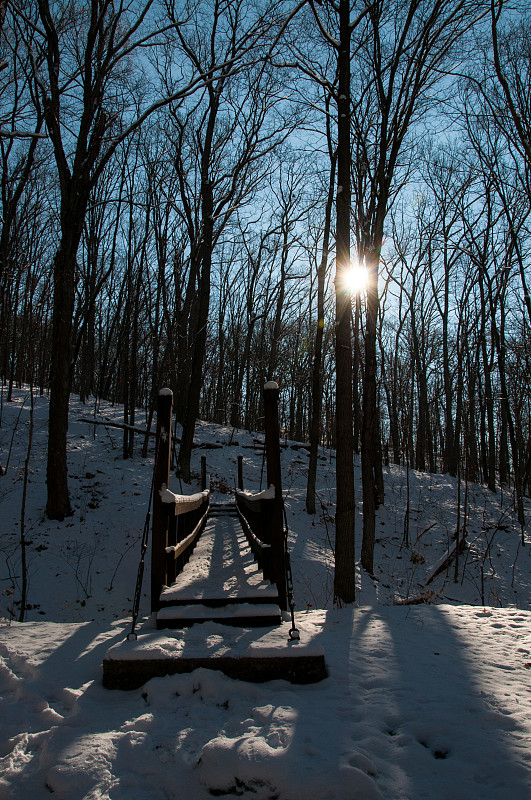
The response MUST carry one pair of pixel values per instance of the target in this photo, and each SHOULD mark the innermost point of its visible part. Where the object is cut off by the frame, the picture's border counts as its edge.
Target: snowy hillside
(422, 701)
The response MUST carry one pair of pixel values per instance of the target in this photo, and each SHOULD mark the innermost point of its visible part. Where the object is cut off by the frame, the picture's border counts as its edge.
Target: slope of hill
(421, 700)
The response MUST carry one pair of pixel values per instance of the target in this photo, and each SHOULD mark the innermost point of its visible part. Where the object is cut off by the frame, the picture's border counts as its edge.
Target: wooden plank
(221, 566)
(248, 615)
(179, 548)
(182, 503)
(128, 674)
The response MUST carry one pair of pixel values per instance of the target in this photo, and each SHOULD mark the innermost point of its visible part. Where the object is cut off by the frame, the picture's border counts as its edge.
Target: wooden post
(240, 473)
(161, 479)
(274, 478)
(203, 474)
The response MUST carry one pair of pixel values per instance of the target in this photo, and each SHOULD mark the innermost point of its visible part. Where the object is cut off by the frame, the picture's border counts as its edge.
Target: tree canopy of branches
(184, 186)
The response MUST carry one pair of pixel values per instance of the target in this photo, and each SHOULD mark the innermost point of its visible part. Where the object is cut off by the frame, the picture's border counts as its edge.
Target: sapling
(13, 435)
(23, 561)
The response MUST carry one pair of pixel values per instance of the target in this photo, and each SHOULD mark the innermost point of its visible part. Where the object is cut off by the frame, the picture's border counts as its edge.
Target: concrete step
(268, 597)
(264, 654)
(246, 615)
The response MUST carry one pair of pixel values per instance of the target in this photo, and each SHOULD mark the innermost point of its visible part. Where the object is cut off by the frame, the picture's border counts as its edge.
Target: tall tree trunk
(345, 568)
(370, 433)
(58, 503)
(422, 392)
(499, 340)
(356, 375)
(450, 454)
(199, 349)
(317, 382)
(490, 461)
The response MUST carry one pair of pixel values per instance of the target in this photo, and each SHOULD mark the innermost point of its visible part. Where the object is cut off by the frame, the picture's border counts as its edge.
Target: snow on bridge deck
(220, 584)
(221, 569)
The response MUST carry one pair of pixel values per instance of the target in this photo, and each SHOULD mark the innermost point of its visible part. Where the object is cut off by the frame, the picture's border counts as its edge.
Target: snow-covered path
(421, 702)
(425, 702)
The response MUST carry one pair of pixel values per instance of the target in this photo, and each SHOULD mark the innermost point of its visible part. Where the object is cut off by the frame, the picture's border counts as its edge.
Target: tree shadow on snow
(415, 706)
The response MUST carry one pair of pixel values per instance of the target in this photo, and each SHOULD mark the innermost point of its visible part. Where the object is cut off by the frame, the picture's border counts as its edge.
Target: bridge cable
(294, 634)
(143, 550)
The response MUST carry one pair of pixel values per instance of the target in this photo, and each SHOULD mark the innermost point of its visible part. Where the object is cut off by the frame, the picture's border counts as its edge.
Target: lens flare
(355, 278)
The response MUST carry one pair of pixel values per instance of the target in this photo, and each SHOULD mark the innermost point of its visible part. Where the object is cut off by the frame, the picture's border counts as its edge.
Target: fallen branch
(121, 425)
(424, 598)
(458, 546)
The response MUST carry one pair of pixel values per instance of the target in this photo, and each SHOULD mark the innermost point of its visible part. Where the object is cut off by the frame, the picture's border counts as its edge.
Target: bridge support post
(274, 478)
(240, 473)
(161, 478)
(203, 473)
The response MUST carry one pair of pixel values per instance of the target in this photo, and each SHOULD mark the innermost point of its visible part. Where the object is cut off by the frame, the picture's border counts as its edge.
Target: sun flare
(356, 278)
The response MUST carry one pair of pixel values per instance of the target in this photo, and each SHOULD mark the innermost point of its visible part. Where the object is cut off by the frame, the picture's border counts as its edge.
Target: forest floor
(421, 701)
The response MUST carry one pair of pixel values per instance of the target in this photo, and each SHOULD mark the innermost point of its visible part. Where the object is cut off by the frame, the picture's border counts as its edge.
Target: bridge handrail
(177, 520)
(183, 503)
(255, 511)
(187, 515)
(254, 501)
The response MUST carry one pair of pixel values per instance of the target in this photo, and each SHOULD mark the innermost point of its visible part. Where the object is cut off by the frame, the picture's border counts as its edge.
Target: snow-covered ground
(421, 701)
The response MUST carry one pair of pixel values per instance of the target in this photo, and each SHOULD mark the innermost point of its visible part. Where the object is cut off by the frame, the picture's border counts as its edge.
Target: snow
(183, 503)
(265, 494)
(236, 575)
(426, 701)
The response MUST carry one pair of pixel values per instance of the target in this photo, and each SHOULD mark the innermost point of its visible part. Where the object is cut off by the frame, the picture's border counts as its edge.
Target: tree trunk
(450, 455)
(370, 428)
(198, 356)
(345, 568)
(490, 460)
(317, 383)
(58, 503)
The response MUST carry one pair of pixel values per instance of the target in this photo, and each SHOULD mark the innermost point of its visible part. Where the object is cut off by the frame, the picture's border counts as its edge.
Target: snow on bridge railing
(177, 519)
(255, 512)
(183, 503)
(262, 514)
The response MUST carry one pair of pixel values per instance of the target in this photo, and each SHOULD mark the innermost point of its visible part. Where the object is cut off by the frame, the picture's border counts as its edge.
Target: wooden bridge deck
(221, 583)
(219, 588)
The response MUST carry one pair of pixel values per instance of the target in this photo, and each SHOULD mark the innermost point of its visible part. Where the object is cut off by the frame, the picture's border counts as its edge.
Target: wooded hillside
(173, 187)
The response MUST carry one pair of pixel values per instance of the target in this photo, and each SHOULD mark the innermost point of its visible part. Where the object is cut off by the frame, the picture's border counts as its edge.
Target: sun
(356, 278)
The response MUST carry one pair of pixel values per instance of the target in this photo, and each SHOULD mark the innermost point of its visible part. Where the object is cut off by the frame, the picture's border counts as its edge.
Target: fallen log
(447, 558)
(120, 425)
(424, 598)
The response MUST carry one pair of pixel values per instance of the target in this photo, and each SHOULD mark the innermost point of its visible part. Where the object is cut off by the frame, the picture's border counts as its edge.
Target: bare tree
(229, 141)
(93, 95)
(407, 51)
(336, 28)
(317, 389)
